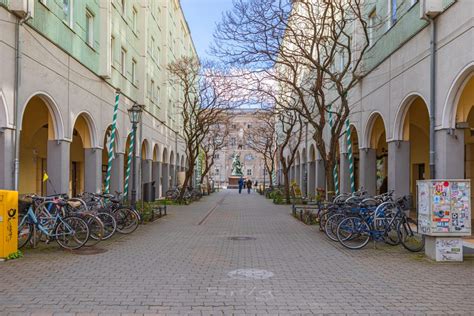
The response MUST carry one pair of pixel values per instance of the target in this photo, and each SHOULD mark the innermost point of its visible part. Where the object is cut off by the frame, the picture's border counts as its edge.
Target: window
(68, 12)
(249, 172)
(134, 71)
(216, 156)
(123, 61)
(249, 125)
(134, 19)
(217, 171)
(392, 12)
(89, 28)
(112, 50)
(234, 126)
(371, 25)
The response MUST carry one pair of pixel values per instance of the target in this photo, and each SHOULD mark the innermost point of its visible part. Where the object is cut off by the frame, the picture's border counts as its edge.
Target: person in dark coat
(249, 186)
(241, 184)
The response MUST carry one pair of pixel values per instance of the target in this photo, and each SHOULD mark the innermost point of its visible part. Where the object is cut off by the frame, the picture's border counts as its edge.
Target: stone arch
(171, 159)
(117, 145)
(450, 109)
(145, 150)
(156, 153)
(400, 117)
(165, 157)
(182, 162)
(312, 153)
(87, 129)
(369, 138)
(54, 112)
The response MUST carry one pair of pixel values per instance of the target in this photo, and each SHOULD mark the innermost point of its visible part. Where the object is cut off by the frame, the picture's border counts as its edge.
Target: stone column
(146, 170)
(7, 158)
(312, 178)
(298, 175)
(368, 170)
(93, 170)
(320, 175)
(165, 178)
(449, 154)
(399, 167)
(156, 176)
(117, 176)
(344, 174)
(58, 161)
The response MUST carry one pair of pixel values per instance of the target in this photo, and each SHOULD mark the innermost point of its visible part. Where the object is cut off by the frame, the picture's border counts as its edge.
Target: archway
(165, 171)
(416, 130)
(81, 140)
(37, 130)
(297, 168)
(156, 170)
(374, 158)
(465, 119)
(172, 171)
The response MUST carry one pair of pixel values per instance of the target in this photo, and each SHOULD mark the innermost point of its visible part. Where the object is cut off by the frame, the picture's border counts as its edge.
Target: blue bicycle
(70, 232)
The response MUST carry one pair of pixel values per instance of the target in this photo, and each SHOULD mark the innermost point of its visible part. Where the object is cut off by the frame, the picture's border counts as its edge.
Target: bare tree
(314, 51)
(205, 98)
(214, 141)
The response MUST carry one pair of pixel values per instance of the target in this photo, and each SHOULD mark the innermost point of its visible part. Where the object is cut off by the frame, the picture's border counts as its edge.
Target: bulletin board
(444, 207)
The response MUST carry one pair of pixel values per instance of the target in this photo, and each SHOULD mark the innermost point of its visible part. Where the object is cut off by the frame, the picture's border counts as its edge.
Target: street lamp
(134, 113)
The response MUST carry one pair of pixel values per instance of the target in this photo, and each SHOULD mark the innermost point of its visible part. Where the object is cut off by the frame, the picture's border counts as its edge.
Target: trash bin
(8, 223)
(149, 192)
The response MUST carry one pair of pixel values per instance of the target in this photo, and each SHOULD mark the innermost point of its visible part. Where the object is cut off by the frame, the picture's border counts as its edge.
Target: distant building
(241, 124)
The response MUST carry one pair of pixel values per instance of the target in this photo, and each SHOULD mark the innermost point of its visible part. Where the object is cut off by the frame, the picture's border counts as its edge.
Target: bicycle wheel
(353, 232)
(391, 236)
(411, 239)
(25, 230)
(127, 220)
(331, 225)
(110, 225)
(323, 218)
(96, 229)
(72, 232)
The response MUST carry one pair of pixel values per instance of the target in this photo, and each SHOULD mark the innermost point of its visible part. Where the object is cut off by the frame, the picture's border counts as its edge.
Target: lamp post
(134, 113)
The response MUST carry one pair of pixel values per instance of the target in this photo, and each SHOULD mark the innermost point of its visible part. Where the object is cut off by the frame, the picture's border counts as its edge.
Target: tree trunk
(286, 179)
(331, 188)
(187, 178)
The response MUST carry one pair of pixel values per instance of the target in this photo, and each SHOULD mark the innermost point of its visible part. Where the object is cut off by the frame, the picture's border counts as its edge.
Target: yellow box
(8, 223)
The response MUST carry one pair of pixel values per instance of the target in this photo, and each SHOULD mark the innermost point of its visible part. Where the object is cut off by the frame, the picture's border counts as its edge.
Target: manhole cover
(250, 274)
(88, 251)
(241, 238)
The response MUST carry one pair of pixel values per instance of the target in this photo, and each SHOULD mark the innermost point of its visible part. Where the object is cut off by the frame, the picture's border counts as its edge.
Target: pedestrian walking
(241, 184)
(249, 186)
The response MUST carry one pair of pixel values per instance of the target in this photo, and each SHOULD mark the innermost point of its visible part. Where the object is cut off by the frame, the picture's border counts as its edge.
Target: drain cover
(88, 251)
(241, 238)
(250, 274)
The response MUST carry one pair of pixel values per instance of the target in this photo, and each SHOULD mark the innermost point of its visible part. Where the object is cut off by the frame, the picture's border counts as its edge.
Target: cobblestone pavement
(186, 264)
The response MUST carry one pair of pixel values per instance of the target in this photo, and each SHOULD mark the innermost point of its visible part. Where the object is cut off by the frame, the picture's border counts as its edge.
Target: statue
(236, 165)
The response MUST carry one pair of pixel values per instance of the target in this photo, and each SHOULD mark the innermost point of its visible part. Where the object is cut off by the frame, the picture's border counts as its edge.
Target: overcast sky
(202, 16)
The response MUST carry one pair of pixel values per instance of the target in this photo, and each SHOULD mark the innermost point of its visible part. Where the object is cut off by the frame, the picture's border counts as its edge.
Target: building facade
(241, 123)
(62, 62)
(392, 105)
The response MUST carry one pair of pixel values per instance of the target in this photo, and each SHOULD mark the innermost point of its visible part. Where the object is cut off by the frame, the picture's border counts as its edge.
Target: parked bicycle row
(354, 220)
(75, 222)
(189, 195)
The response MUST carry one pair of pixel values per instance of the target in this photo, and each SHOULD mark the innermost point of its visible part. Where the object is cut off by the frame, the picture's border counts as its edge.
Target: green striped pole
(351, 157)
(112, 142)
(334, 172)
(129, 163)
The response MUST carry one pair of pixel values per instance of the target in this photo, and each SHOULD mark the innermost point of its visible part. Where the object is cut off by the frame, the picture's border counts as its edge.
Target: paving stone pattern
(185, 264)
